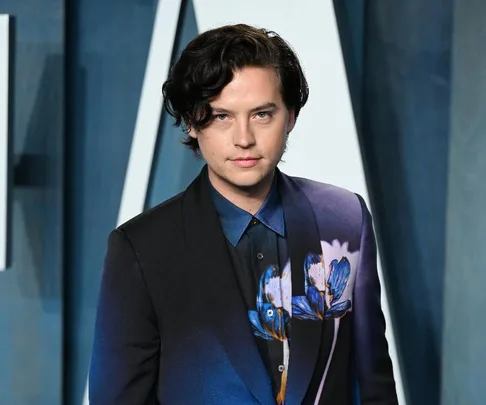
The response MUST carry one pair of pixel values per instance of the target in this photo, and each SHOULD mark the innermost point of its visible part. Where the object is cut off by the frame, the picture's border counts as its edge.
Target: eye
(220, 117)
(263, 114)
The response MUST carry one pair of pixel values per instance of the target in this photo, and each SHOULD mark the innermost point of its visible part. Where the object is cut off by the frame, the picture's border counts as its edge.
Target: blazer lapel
(308, 338)
(224, 308)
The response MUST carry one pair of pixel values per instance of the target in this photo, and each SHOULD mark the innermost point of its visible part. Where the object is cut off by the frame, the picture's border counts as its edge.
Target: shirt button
(281, 368)
(254, 221)
(259, 256)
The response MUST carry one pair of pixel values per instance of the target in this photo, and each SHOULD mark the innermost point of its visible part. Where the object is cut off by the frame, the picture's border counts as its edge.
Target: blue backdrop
(79, 68)
(31, 290)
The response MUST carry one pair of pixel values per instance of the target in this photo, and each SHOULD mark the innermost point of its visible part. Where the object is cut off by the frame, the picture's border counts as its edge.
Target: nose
(243, 136)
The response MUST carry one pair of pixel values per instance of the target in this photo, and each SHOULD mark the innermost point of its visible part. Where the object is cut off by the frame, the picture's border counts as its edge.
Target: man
(250, 287)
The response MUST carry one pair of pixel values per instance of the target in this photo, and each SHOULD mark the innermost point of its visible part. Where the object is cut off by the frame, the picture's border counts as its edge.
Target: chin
(241, 179)
(248, 180)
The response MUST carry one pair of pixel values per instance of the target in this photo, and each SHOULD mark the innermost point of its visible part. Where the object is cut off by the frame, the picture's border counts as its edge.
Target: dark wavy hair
(207, 64)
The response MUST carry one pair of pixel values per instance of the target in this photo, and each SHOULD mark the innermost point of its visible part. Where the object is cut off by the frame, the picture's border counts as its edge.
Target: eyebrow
(266, 106)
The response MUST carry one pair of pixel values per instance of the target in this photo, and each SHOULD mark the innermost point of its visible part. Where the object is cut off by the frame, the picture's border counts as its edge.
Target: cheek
(212, 146)
(274, 138)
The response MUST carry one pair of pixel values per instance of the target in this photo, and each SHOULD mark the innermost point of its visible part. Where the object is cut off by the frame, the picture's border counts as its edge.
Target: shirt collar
(235, 220)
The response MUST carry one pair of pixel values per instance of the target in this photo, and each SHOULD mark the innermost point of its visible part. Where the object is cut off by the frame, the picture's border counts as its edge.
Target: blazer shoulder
(316, 191)
(161, 219)
(328, 199)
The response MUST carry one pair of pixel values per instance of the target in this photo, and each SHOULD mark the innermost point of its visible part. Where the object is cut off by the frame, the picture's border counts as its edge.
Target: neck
(249, 199)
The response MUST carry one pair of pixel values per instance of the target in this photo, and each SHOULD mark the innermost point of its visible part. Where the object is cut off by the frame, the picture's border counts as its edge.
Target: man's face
(246, 138)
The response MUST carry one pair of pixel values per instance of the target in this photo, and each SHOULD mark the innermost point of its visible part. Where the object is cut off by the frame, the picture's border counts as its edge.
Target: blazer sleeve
(376, 384)
(126, 349)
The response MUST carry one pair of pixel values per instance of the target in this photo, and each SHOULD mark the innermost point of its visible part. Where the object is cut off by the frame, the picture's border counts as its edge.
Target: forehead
(250, 86)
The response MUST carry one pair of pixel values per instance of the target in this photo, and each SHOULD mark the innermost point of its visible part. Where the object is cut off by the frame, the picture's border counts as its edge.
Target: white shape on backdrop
(4, 79)
(149, 110)
(324, 144)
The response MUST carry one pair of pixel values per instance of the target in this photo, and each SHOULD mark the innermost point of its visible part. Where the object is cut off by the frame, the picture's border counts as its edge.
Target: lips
(245, 162)
(245, 158)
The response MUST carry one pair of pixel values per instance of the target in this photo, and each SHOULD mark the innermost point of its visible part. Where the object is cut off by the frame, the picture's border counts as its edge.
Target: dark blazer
(172, 326)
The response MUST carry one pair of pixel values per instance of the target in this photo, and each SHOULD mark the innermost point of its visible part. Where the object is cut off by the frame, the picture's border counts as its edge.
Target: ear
(291, 121)
(191, 132)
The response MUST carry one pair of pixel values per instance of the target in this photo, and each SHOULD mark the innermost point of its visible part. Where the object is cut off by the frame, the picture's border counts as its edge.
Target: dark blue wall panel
(108, 48)
(403, 103)
(31, 290)
(464, 342)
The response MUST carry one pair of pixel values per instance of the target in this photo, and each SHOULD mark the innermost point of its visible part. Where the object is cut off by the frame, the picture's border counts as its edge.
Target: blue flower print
(269, 321)
(322, 299)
